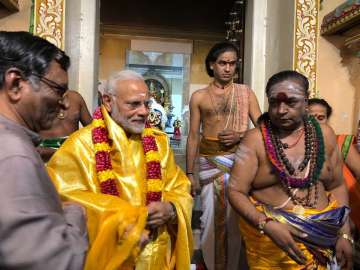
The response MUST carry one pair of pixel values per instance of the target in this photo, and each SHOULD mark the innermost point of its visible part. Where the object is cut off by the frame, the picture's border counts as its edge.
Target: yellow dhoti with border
(73, 171)
(322, 227)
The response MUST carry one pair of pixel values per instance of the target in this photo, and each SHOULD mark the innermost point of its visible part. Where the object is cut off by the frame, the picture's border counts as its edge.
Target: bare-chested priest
(67, 121)
(287, 185)
(222, 112)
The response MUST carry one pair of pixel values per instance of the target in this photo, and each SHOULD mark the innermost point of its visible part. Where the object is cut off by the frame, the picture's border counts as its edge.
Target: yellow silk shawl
(72, 169)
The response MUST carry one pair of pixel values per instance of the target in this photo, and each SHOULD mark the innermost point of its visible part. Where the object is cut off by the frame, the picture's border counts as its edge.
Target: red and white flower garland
(104, 170)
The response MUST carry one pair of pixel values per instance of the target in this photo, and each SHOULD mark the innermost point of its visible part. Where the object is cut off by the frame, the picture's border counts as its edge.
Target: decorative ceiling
(178, 15)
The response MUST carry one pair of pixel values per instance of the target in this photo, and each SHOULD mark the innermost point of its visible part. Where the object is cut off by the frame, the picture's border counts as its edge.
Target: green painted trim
(32, 15)
(346, 145)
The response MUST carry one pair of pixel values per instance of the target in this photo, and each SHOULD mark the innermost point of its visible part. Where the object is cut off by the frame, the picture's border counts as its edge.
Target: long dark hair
(215, 52)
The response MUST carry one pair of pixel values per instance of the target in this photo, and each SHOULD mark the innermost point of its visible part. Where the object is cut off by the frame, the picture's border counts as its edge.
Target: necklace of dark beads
(309, 156)
(309, 149)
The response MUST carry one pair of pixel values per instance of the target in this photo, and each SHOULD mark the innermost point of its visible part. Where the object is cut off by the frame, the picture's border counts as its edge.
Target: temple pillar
(306, 35)
(274, 43)
(74, 27)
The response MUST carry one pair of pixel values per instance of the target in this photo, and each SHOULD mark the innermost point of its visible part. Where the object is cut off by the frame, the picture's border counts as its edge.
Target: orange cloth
(352, 185)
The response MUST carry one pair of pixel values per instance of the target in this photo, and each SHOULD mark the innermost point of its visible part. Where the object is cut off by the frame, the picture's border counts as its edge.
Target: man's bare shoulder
(243, 87)
(327, 130)
(198, 97)
(198, 94)
(250, 145)
(74, 96)
(329, 137)
(246, 89)
(253, 136)
(328, 133)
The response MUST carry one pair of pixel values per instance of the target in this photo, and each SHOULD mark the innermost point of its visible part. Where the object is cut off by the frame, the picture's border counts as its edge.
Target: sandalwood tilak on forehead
(289, 90)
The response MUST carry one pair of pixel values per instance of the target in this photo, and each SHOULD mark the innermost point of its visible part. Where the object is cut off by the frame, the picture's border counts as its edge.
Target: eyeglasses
(60, 90)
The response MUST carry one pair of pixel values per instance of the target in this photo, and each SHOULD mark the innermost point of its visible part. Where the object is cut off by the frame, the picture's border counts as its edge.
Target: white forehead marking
(290, 89)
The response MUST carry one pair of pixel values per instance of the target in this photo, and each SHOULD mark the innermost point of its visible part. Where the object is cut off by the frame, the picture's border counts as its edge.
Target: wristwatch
(347, 237)
(262, 223)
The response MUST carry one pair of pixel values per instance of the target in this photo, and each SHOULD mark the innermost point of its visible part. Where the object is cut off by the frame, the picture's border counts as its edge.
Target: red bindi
(282, 97)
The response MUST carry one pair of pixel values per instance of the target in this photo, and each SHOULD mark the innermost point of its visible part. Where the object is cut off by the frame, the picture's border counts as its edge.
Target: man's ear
(13, 83)
(106, 100)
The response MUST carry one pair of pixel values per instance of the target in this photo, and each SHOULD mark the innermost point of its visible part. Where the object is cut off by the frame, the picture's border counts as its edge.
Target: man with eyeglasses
(125, 175)
(36, 230)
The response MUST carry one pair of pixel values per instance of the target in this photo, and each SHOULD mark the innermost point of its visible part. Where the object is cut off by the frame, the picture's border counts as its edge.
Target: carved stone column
(49, 21)
(82, 33)
(305, 40)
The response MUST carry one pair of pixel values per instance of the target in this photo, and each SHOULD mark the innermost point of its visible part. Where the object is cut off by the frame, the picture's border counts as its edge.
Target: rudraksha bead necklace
(313, 160)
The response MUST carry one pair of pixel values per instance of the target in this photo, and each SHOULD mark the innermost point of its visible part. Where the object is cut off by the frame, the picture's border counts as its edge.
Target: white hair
(102, 86)
(120, 76)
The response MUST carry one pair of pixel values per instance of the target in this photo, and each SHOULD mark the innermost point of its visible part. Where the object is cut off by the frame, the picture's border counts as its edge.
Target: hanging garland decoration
(104, 170)
(313, 161)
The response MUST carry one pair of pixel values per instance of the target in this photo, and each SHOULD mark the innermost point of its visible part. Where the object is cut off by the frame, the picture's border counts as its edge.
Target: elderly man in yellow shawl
(125, 175)
(287, 185)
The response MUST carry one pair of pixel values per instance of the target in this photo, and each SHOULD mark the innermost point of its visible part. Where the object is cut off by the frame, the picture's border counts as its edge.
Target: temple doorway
(167, 43)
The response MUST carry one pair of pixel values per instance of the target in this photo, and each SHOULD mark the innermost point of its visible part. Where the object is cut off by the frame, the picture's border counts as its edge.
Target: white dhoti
(220, 235)
(220, 238)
